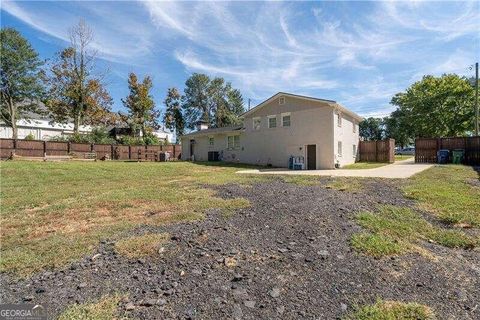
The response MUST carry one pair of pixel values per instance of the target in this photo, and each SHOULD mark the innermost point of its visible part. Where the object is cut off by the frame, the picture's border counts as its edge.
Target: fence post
(129, 152)
(44, 148)
(91, 147)
(174, 152)
(111, 152)
(69, 147)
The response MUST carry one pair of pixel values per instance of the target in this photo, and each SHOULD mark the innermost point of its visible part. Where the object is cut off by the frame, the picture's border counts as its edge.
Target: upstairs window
(272, 121)
(281, 100)
(354, 127)
(257, 123)
(285, 119)
(339, 119)
(211, 141)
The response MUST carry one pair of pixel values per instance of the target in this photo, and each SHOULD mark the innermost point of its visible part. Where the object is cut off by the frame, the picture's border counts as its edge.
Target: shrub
(30, 136)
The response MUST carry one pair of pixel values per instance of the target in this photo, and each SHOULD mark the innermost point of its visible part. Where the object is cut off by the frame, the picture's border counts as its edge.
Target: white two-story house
(322, 132)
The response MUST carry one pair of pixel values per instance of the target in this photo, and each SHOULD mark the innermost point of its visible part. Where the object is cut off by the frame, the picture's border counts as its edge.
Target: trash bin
(457, 156)
(442, 156)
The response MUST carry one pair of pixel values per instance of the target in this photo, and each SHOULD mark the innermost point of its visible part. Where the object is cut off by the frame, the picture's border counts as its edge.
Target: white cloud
(113, 40)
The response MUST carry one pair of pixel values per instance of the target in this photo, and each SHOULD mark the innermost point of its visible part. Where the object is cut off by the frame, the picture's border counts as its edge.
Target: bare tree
(75, 91)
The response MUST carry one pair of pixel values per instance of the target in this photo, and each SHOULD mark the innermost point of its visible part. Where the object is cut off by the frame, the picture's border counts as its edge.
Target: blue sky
(357, 53)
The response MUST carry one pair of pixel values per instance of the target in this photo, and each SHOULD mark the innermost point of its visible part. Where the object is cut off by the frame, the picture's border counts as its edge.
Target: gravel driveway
(285, 257)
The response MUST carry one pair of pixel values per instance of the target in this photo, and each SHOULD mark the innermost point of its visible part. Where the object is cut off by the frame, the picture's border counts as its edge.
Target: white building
(41, 128)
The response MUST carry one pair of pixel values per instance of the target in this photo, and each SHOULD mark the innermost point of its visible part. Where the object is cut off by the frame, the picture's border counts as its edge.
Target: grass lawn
(393, 310)
(451, 193)
(400, 157)
(365, 165)
(55, 213)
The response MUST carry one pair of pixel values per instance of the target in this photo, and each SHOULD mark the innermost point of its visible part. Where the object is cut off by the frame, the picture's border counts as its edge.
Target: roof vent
(281, 100)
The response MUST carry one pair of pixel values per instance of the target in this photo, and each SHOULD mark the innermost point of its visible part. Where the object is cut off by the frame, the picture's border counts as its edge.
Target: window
(354, 127)
(233, 142)
(236, 142)
(281, 100)
(211, 141)
(339, 119)
(339, 151)
(272, 121)
(285, 119)
(354, 149)
(257, 123)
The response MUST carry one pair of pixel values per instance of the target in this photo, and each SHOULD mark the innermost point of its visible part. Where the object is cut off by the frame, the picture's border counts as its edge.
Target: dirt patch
(287, 256)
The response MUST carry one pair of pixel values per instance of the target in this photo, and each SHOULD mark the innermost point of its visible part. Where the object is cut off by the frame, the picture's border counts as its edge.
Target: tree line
(432, 107)
(73, 90)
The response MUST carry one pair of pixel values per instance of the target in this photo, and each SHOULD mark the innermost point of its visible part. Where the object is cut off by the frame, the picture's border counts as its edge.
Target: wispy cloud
(359, 53)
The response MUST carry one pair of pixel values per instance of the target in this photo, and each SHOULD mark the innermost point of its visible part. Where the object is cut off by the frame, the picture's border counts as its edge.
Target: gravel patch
(285, 257)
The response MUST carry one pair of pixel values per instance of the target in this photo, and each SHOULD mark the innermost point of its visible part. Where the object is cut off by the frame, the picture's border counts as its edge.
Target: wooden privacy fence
(37, 148)
(426, 149)
(377, 151)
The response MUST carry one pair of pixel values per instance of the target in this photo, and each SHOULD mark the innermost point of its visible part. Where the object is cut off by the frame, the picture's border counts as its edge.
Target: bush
(98, 135)
(30, 136)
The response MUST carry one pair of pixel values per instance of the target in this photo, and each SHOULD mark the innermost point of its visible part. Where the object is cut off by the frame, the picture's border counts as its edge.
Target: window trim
(253, 123)
(281, 100)
(354, 127)
(272, 117)
(287, 114)
(211, 141)
(340, 148)
(339, 119)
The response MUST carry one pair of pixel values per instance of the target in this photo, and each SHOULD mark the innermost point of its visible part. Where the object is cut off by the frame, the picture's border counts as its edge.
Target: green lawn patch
(104, 309)
(400, 157)
(448, 192)
(141, 246)
(394, 230)
(53, 213)
(393, 310)
(365, 165)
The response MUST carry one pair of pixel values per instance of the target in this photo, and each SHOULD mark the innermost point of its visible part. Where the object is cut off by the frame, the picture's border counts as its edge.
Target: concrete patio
(398, 170)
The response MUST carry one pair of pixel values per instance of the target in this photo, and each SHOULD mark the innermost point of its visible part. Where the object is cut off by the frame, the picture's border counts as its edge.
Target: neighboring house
(322, 131)
(40, 127)
(119, 131)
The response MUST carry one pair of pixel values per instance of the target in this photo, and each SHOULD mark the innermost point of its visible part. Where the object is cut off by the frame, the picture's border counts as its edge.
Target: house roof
(331, 103)
(214, 131)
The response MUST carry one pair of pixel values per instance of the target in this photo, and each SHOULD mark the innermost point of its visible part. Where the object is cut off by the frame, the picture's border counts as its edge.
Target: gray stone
(249, 304)
(275, 292)
(129, 306)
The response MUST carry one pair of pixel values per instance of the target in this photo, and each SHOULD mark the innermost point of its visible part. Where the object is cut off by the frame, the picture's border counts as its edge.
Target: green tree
(75, 92)
(173, 117)
(142, 113)
(371, 129)
(211, 100)
(396, 128)
(21, 88)
(437, 106)
(196, 100)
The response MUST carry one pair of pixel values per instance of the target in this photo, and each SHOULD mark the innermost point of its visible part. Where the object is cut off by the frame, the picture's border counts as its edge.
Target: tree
(21, 88)
(371, 129)
(142, 114)
(195, 100)
(211, 100)
(437, 106)
(396, 128)
(75, 92)
(173, 117)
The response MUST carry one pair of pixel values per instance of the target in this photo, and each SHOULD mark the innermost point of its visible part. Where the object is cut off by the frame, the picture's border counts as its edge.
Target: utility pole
(476, 99)
(249, 102)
